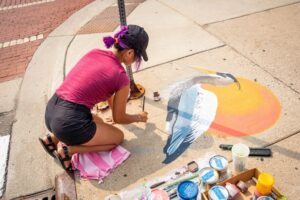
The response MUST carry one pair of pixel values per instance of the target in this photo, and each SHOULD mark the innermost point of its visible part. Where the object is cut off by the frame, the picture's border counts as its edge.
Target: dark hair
(130, 37)
(118, 47)
(138, 60)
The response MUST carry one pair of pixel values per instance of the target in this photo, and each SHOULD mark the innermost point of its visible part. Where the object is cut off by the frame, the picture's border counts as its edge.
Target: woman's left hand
(142, 117)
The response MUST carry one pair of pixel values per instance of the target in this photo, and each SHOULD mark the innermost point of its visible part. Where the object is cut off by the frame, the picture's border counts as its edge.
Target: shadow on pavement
(146, 157)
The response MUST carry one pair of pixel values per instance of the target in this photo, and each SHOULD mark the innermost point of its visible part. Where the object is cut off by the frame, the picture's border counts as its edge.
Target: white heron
(192, 109)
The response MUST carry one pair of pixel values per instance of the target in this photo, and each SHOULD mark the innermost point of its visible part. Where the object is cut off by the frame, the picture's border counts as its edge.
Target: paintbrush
(144, 103)
(171, 184)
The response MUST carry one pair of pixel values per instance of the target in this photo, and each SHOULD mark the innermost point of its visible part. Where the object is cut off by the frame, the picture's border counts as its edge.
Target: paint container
(140, 192)
(102, 105)
(242, 186)
(113, 197)
(232, 190)
(218, 193)
(187, 190)
(158, 194)
(192, 167)
(209, 176)
(264, 183)
(256, 195)
(156, 96)
(219, 163)
(240, 153)
(281, 198)
(265, 198)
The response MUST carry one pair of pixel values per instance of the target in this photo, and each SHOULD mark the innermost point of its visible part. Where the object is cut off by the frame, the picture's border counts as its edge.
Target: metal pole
(136, 90)
(122, 12)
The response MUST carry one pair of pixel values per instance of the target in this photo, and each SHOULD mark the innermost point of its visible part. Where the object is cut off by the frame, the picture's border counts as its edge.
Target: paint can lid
(265, 198)
(218, 193)
(218, 162)
(158, 194)
(187, 190)
(240, 150)
(209, 175)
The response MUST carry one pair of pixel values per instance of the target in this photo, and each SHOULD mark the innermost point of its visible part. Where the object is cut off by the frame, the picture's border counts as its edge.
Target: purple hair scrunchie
(110, 41)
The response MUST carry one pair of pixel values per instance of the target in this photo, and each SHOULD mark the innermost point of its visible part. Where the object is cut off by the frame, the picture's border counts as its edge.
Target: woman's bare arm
(119, 109)
(110, 101)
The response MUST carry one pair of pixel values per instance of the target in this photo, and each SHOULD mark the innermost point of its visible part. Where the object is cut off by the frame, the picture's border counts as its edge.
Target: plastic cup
(240, 153)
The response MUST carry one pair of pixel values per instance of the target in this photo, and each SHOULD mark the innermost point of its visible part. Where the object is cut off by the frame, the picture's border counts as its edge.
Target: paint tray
(247, 178)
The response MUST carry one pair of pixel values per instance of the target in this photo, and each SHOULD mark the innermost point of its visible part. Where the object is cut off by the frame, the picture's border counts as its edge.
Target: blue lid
(187, 190)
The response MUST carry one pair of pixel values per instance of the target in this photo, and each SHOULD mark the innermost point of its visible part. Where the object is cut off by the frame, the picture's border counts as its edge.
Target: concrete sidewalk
(256, 40)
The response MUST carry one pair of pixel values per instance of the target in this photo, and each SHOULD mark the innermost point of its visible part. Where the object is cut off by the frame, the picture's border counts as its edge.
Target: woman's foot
(64, 157)
(48, 143)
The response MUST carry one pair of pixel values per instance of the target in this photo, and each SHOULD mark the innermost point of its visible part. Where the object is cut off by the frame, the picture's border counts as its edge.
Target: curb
(43, 73)
(65, 187)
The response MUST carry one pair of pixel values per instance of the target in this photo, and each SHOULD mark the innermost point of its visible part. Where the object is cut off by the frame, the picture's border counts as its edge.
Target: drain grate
(108, 20)
(44, 195)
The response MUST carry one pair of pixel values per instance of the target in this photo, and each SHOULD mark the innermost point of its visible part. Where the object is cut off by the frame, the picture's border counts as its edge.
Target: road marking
(4, 144)
(21, 41)
(24, 5)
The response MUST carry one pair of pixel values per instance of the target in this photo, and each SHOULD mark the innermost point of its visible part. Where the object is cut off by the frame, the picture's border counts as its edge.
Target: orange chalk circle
(247, 111)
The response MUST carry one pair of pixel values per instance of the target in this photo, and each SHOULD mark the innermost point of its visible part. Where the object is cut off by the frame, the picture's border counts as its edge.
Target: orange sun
(247, 111)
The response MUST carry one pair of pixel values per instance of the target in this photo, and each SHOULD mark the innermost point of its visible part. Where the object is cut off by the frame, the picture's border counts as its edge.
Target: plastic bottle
(264, 183)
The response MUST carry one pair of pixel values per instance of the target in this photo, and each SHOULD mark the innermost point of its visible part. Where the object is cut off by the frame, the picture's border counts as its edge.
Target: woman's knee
(107, 134)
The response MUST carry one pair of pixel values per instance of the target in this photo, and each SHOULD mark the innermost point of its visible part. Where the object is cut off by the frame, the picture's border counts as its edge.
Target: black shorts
(71, 123)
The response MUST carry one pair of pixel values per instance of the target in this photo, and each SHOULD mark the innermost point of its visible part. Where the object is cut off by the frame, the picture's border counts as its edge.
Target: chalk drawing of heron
(191, 110)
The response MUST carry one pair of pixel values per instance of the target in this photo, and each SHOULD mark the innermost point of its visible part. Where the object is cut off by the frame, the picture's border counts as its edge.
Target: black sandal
(50, 144)
(66, 158)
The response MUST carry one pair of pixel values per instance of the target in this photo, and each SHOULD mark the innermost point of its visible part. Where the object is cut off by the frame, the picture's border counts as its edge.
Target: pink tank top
(95, 78)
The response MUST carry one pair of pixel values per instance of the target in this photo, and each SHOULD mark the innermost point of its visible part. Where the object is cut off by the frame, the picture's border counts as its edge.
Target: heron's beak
(220, 74)
(205, 70)
(230, 76)
(235, 80)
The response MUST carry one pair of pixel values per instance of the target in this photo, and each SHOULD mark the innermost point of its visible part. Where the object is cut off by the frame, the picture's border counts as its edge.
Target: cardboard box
(247, 178)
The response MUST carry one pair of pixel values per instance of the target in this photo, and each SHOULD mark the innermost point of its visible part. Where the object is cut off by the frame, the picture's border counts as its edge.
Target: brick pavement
(5, 3)
(29, 21)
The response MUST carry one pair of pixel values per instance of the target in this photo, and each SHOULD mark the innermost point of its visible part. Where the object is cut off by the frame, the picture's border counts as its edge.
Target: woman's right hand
(142, 117)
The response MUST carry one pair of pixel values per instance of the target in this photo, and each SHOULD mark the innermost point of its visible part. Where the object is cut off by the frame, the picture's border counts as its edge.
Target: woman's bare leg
(106, 138)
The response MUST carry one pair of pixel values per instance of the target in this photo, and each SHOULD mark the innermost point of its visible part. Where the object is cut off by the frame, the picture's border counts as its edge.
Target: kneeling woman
(98, 76)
